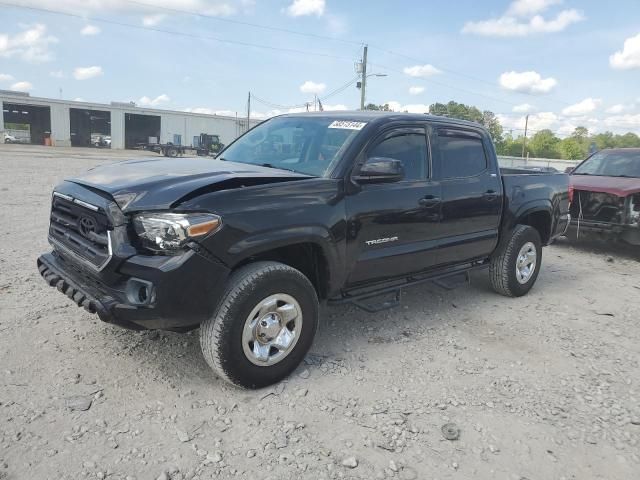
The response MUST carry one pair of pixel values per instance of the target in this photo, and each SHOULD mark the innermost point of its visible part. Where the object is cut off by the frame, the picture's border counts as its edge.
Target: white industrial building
(47, 121)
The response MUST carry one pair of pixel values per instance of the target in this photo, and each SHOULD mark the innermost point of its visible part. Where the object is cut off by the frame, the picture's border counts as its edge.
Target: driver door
(393, 228)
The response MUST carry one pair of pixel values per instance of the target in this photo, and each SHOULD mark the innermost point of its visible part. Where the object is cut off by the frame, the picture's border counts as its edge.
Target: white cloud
(21, 87)
(153, 20)
(155, 102)
(312, 87)
(31, 45)
(527, 82)
(301, 8)
(57, 74)
(5, 77)
(207, 7)
(85, 73)
(523, 18)
(620, 108)
(410, 107)
(526, 8)
(537, 121)
(421, 71)
(335, 108)
(620, 122)
(587, 105)
(523, 108)
(78, 99)
(90, 30)
(416, 90)
(629, 56)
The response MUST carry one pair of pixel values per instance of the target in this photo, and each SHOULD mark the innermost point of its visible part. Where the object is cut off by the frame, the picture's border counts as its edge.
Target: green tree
(572, 149)
(382, 108)
(604, 140)
(511, 147)
(468, 112)
(544, 144)
(628, 140)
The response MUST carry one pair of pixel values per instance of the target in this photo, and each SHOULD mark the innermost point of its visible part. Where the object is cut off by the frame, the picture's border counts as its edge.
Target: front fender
(262, 242)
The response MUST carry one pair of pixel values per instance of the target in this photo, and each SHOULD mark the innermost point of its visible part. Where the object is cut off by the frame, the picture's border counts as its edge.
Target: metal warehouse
(45, 121)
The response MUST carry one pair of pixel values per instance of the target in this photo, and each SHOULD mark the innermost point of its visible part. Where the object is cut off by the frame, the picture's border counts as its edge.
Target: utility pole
(363, 85)
(524, 141)
(248, 110)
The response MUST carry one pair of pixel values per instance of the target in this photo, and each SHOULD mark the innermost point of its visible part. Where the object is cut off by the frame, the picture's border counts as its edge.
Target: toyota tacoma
(303, 210)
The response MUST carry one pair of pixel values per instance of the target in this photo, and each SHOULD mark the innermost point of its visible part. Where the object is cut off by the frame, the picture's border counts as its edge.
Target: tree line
(542, 144)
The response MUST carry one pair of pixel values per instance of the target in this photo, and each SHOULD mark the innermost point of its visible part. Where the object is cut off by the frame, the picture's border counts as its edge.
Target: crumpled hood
(156, 184)
(619, 186)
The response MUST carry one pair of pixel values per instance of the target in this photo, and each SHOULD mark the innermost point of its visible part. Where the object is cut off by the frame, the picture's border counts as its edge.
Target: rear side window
(461, 155)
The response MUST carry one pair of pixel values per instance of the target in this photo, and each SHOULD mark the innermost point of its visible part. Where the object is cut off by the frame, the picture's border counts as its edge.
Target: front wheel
(515, 266)
(263, 327)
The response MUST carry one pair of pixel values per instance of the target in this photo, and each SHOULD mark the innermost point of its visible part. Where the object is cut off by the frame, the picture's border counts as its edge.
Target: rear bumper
(168, 293)
(604, 231)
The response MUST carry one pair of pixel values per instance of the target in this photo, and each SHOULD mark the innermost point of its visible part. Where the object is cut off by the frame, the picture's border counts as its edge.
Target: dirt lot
(542, 387)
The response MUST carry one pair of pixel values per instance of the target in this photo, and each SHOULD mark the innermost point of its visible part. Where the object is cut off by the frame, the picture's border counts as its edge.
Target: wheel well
(308, 258)
(541, 221)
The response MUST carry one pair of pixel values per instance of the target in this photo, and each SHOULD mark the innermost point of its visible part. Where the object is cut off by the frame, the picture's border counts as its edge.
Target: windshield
(611, 164)
(309, 145)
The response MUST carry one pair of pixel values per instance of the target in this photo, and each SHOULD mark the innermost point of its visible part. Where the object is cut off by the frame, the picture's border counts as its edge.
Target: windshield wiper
(270, 165)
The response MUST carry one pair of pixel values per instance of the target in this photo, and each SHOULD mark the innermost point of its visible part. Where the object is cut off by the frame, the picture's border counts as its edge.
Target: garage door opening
(28, 124)
(90, 128)
(141, 129)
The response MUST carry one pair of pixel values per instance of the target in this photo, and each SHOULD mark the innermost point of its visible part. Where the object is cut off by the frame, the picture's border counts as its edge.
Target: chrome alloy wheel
(272, 329)
(526, 262)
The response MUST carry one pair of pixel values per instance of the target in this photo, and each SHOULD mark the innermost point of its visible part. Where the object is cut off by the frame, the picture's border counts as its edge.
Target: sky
(565, 63)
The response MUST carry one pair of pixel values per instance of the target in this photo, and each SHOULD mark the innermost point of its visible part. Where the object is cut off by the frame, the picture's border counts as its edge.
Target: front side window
(461, 155)
(611, 164)
(410, 149)
(309, 145)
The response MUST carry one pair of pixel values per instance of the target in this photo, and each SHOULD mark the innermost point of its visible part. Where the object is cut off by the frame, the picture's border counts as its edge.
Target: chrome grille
(80, 228)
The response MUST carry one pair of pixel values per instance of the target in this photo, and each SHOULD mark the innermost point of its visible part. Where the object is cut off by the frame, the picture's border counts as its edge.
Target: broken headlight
(634, 210)
(167, 233)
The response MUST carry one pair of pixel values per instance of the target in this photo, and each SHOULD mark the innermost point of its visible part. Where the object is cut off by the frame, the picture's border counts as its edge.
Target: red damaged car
(605, 193)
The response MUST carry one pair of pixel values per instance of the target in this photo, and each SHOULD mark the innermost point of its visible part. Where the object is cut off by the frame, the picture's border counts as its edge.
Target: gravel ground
(542, 387)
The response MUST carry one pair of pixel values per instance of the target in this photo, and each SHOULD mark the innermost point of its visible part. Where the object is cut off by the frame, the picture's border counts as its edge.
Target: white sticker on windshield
(349, 125)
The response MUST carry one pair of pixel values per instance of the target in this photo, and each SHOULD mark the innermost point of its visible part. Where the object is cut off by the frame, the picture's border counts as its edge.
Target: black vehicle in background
(303, 210)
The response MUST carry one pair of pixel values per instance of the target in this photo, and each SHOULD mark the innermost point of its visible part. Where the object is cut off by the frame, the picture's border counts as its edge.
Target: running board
(449, 281)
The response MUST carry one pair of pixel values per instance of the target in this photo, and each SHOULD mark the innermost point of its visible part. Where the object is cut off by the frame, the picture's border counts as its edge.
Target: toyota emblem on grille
(87, 226)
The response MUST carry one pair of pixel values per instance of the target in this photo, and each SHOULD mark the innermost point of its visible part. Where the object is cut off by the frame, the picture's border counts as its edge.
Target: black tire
(502, 269)
(221, 334)
(172, 152)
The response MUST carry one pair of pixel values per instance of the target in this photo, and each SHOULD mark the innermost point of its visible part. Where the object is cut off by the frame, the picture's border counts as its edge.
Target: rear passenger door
(471, 194)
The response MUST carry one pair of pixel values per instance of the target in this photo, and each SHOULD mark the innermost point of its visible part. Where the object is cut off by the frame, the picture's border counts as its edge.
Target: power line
(181, 34)
(246, 24)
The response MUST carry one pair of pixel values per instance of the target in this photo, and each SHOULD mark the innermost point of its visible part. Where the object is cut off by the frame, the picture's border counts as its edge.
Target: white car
(10, 138)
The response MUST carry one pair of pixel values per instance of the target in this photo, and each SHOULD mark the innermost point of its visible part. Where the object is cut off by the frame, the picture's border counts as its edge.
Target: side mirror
(380, 170)
(569, 169)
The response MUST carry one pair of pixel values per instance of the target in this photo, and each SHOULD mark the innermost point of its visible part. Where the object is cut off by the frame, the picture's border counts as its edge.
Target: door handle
(490, 195)
(429, 201)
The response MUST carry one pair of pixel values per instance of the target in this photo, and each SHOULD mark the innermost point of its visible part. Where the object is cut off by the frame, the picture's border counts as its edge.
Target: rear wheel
(263, 327)
(172, 152)
(515, 266)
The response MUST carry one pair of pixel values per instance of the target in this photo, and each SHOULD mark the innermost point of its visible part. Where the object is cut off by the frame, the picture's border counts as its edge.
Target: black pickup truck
(303, 210)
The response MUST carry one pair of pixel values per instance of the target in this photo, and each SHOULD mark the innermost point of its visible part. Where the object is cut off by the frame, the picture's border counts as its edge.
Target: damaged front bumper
(604, 231)
(148, 292)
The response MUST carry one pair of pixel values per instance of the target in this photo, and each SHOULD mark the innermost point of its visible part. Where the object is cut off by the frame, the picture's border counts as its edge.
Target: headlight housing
(168, 233)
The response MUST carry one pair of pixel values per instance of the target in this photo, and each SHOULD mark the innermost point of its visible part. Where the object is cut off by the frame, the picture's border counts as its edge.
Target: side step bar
(447, 280)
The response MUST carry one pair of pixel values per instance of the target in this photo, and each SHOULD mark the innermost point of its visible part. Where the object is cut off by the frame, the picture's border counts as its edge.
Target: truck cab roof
(374, 116)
